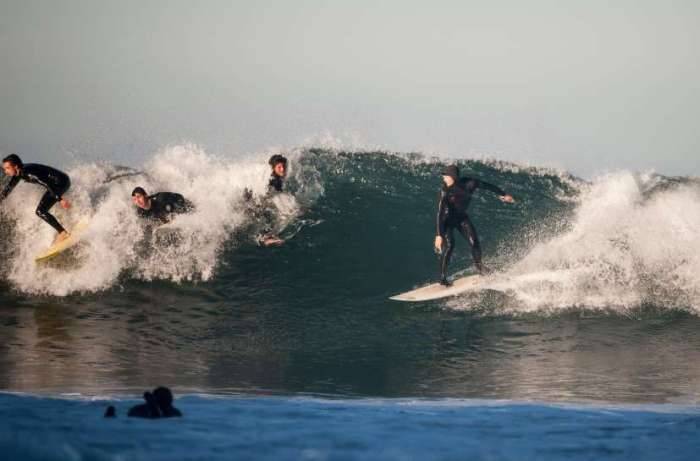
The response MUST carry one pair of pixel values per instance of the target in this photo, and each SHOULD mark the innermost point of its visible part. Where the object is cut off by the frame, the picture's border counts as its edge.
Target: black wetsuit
(164, 205)
(262, 211)
(56, 183)
(154, 408)
(452, 214)
(275, 185)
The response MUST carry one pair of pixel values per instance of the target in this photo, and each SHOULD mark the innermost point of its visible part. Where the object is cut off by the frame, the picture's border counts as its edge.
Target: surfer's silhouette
(159, 404)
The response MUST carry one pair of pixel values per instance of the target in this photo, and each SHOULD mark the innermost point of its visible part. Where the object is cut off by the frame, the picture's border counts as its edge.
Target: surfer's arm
(490, 187)
(8, 188)
(441, 214)
(502, 195)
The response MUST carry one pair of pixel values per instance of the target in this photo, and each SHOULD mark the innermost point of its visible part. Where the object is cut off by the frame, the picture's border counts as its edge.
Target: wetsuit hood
(452, 171)
(139, 190)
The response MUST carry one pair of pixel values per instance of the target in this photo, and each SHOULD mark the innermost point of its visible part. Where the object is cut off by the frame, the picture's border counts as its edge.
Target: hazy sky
(587, 86)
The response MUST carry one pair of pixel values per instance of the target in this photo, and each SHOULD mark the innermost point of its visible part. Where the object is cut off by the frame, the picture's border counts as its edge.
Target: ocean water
(583, 344)
(306, 428)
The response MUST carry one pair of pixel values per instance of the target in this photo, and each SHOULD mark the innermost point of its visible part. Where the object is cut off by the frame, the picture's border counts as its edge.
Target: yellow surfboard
(74, 237)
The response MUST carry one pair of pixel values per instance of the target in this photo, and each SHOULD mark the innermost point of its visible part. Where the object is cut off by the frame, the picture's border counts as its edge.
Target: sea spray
(629, 243)
(114, 243)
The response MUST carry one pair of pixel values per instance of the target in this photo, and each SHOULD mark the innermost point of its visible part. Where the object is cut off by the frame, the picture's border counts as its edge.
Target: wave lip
(619, 242)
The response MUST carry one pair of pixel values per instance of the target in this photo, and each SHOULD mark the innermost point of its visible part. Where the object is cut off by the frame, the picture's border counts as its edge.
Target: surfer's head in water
(12, 165)
(158, 404)
(140, 198)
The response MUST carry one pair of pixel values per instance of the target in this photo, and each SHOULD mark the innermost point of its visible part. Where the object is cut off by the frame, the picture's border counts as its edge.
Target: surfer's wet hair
(14, 160)
(277, 158)
(138, 190)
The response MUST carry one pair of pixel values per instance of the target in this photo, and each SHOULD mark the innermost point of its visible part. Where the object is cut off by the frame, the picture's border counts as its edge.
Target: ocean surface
(583, 344)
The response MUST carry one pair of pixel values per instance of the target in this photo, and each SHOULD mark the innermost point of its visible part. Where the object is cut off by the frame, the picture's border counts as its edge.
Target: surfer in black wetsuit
(160, 206)
(54, 181)
(159, 404)
(278, 163)
(455, 195)
(262, 210)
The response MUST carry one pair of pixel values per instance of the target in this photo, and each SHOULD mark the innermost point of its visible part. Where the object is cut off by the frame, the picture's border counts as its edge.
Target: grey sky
(586, 86)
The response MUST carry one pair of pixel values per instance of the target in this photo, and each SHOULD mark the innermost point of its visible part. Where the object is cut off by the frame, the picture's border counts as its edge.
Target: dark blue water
(306, 428)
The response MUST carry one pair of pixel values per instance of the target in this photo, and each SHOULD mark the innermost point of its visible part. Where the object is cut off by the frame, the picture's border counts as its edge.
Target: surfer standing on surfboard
(54, 181)
(455, 195)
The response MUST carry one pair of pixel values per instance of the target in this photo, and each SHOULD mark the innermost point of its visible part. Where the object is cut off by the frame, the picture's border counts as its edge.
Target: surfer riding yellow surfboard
(54, 181)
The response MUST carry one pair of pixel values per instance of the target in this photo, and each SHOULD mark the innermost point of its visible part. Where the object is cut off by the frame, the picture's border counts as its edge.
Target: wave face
(209, 310)
(365, 220)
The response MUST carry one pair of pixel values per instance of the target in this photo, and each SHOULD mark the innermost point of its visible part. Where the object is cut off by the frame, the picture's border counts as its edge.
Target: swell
(360, 227)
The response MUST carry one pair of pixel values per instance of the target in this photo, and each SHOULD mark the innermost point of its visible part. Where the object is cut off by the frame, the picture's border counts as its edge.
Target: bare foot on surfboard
(60, 237)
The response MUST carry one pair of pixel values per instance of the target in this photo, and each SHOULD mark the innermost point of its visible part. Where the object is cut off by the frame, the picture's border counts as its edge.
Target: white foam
(621, 250)
(215, 186)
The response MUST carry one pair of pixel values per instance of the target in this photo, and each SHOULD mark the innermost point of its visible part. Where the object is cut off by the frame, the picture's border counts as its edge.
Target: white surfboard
(74, 237)
(437, 291)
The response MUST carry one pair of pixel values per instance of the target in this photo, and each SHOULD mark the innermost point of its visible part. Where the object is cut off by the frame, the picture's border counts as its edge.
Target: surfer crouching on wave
(455, 195)
(54, 181)
(160, 206)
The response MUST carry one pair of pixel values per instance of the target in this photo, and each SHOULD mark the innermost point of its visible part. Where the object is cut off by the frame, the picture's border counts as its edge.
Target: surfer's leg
(42, 211)
(448, 247)
(468, 232)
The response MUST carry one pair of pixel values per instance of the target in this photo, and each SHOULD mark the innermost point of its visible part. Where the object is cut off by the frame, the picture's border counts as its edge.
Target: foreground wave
(219, 427)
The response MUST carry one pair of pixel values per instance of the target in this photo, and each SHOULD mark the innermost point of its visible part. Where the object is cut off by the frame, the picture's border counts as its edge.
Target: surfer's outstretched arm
(502, 195)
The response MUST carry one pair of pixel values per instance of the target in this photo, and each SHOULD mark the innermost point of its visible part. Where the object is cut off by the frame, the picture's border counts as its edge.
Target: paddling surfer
(161, 206)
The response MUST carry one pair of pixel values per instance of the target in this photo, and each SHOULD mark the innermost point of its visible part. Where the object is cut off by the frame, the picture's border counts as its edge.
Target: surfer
(54, 181)
(455, 195)
(278, 163)
(160, 206)
(159, 404)
(263, 211)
